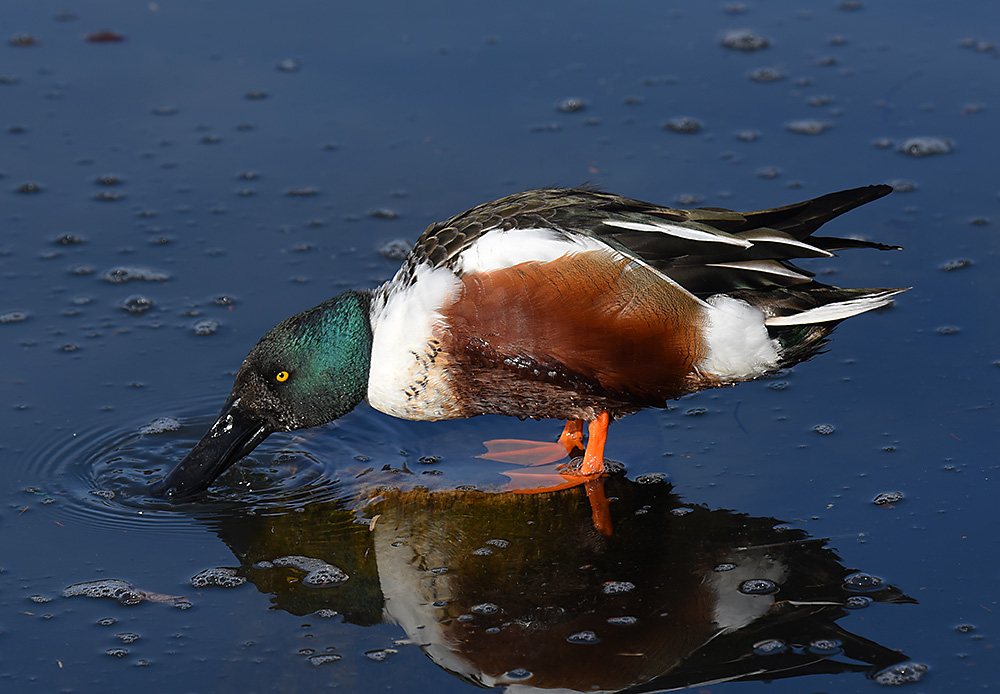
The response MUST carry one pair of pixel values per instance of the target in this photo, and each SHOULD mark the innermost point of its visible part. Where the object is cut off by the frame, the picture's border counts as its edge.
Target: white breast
(407, 378)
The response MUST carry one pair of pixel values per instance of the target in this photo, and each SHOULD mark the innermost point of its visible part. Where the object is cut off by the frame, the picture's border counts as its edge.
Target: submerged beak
(233, 436)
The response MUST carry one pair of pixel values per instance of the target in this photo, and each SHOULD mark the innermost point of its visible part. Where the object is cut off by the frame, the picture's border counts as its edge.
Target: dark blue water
(238, 162)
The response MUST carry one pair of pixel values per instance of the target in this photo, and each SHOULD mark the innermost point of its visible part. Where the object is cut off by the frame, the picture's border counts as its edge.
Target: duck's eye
(281, 376)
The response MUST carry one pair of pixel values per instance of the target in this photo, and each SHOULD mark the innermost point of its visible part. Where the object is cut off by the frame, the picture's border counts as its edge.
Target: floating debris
(925, 146)
(758, 586)
(901, 673)
(886, 498)
(617, 587)
(857, 602)
(518, 673)
(825, 647)
(863, 583)
(205, 327)
(767, 74)
(137, 303)
(320, 574)
(571, 105)
(381, 654)
(122, 591)
(396, 249)
(808, 126)
(583, 637)
(122, 274)
(22, 40)
(108, 180)
(743, 40)
(902, 185)
(623, 621)
(222, 577)
(684, 125)
(104, 37)
(949, 266)
(770, 647)
(161, 425)
(324, 659)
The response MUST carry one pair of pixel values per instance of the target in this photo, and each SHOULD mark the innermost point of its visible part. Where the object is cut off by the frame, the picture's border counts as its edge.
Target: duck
(560, 303)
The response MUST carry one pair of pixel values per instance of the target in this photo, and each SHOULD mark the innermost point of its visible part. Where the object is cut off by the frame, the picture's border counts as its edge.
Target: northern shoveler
(566, 304)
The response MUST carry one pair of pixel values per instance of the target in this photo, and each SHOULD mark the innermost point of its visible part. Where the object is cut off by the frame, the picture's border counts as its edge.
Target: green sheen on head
(310, 368)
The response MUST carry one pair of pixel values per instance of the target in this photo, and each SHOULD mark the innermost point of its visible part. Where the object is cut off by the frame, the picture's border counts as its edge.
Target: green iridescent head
(309, 369)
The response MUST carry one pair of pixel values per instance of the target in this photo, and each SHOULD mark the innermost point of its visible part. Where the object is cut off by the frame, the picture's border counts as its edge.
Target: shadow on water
(505, 589)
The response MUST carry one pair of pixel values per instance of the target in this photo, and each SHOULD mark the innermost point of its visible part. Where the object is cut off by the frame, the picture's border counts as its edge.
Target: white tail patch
(836, 311)
(738, 344)
(681, 232)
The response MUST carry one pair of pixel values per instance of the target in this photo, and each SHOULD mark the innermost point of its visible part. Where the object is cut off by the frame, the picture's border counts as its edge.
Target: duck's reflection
(522, 590)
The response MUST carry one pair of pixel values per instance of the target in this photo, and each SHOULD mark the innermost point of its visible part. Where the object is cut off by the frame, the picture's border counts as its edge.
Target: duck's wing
(705, 250)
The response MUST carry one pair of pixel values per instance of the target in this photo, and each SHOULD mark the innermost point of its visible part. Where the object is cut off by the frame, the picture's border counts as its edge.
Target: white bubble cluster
(319, 573)
(220, 576)
(115, 588)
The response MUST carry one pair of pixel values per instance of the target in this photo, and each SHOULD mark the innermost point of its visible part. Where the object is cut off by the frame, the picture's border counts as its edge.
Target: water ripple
(99, 475)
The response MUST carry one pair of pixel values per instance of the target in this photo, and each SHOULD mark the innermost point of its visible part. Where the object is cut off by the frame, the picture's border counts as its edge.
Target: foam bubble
(319, 573)
(221, 576)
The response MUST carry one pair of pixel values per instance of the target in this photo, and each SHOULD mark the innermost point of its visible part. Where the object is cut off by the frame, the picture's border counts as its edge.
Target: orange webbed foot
(522, 452)
(537, 453)
(572, 436)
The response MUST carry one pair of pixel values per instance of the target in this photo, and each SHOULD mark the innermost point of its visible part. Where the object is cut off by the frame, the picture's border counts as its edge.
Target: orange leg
(600, 509)
(597, 435)
(572, 436)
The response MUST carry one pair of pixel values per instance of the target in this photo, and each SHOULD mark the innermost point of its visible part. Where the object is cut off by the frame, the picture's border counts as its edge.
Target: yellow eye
(281, 376)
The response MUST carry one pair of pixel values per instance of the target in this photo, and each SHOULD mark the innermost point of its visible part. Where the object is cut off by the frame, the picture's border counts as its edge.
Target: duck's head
(309, 369)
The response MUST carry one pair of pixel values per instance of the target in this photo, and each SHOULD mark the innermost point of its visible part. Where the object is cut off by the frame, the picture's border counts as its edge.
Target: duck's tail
(801, 319)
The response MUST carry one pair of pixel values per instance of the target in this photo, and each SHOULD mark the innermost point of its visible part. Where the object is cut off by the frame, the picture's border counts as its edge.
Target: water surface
(171, 195)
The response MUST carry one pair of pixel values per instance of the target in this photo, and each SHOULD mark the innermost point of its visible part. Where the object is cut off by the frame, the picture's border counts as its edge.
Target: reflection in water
(522, 590)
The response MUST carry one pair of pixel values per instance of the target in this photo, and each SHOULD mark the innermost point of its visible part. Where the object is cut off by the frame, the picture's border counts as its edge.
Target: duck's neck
(341, 335)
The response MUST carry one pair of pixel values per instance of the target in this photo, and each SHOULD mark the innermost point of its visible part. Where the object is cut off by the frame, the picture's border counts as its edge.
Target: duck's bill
(233, 436)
